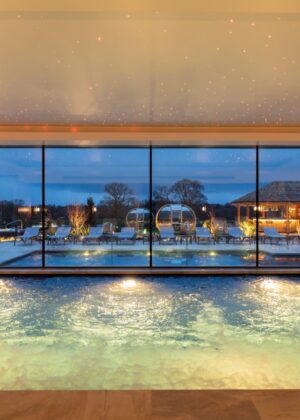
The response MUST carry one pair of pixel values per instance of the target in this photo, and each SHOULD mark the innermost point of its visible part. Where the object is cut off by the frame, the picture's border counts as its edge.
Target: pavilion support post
(247, 212)
(239, 214)
(287, 219)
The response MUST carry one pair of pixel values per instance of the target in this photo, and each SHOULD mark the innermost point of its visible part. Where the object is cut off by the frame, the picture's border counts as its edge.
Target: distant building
(279, 206)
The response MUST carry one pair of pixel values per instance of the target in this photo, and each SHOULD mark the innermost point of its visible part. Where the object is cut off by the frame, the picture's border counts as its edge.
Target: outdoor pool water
(158, 333)
(135, 259)
(159, 259)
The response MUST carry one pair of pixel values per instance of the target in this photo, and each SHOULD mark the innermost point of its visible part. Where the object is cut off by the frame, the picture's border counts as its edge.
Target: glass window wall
(199, 220)
(279, 207)
(97, 207)
(143, 207)
(21, 230)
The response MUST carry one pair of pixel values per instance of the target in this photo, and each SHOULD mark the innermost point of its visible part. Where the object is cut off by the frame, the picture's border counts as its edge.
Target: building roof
(276, 191)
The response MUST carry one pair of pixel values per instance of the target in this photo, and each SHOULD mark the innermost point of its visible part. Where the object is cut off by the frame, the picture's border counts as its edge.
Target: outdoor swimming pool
(160, 259)
(135, 259)
(159, 333)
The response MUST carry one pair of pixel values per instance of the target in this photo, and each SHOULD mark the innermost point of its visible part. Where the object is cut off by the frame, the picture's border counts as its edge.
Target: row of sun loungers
(202, 234)
(63, 235)
(234, 234)
(96, 234)
(167, 235)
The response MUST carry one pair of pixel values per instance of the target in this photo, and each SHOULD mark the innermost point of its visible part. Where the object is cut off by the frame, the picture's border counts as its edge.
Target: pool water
(135, 259)
(159, 259)
(158, 333)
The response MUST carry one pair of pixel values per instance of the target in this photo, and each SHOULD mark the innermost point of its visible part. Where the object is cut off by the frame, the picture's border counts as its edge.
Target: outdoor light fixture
(24, 209)
(94, 209)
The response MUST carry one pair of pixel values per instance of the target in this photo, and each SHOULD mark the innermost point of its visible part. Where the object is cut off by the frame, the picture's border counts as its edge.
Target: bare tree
(161, 194)
(119, 198)
(78, 216)
(188, 191)
(118, 193)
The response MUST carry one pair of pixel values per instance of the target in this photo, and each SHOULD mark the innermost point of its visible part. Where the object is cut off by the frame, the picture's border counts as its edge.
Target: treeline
(118, 199)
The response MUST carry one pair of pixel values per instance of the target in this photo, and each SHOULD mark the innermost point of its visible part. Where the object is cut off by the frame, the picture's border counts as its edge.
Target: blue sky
(72, 174)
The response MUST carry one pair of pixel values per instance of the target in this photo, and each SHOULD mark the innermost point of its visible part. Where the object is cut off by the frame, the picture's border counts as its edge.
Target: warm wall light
(94, 209)
(24, 209)
(37, 209)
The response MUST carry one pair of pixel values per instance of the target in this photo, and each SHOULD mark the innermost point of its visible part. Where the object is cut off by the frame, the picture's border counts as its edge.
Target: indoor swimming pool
(150, 332)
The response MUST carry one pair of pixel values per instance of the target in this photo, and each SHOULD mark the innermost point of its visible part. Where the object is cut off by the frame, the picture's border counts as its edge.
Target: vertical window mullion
(257, 207)
(150, 205)
(43, 207)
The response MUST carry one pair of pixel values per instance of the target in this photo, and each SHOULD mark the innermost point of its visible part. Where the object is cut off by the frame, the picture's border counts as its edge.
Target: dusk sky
(72, 175)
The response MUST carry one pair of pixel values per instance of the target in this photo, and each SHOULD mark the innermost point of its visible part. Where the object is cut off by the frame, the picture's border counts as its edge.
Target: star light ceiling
(150, 68)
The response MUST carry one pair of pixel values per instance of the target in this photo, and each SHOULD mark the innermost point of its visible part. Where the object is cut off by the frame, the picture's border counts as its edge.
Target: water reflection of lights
(271, 287)
(213, 254)
(4, 287)
(270, 284)
(128, 284)
(253, 257)
(130, 306)
(132, 285)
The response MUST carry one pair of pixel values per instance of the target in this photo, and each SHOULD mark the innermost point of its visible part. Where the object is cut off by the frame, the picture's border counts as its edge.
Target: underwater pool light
(213, 254)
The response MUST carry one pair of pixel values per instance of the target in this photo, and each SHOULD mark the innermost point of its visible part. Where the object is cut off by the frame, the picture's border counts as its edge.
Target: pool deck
(9, 252)
(151, 405)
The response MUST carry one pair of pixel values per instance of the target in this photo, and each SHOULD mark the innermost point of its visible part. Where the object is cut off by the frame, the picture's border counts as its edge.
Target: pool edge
(125, 271)
(151, 404)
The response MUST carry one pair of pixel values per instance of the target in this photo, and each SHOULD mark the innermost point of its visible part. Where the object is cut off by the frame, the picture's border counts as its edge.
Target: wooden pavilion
(279, 206)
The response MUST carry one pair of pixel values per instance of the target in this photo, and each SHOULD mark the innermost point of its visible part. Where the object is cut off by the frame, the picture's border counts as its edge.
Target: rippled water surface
(162, 333)
(160, 258)
(135, 259)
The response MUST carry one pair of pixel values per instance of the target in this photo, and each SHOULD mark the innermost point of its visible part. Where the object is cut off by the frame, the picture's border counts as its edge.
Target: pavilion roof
(275, 192)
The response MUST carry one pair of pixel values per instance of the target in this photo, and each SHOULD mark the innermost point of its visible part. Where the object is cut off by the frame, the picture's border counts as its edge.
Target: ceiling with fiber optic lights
(150, 62)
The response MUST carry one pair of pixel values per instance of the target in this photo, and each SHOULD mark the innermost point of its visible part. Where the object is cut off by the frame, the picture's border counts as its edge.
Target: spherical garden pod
(138, 218)
(180, 216)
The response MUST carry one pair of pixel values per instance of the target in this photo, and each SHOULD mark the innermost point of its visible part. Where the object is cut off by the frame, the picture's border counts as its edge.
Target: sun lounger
(29, 234)
(167, 235)
(127, 234)
(95, 234)
(203, 233)
(236, 234)
(272, 234)
(62, 234)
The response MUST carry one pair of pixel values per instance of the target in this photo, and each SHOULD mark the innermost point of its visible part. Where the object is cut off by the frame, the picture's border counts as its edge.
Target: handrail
(14, 222)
